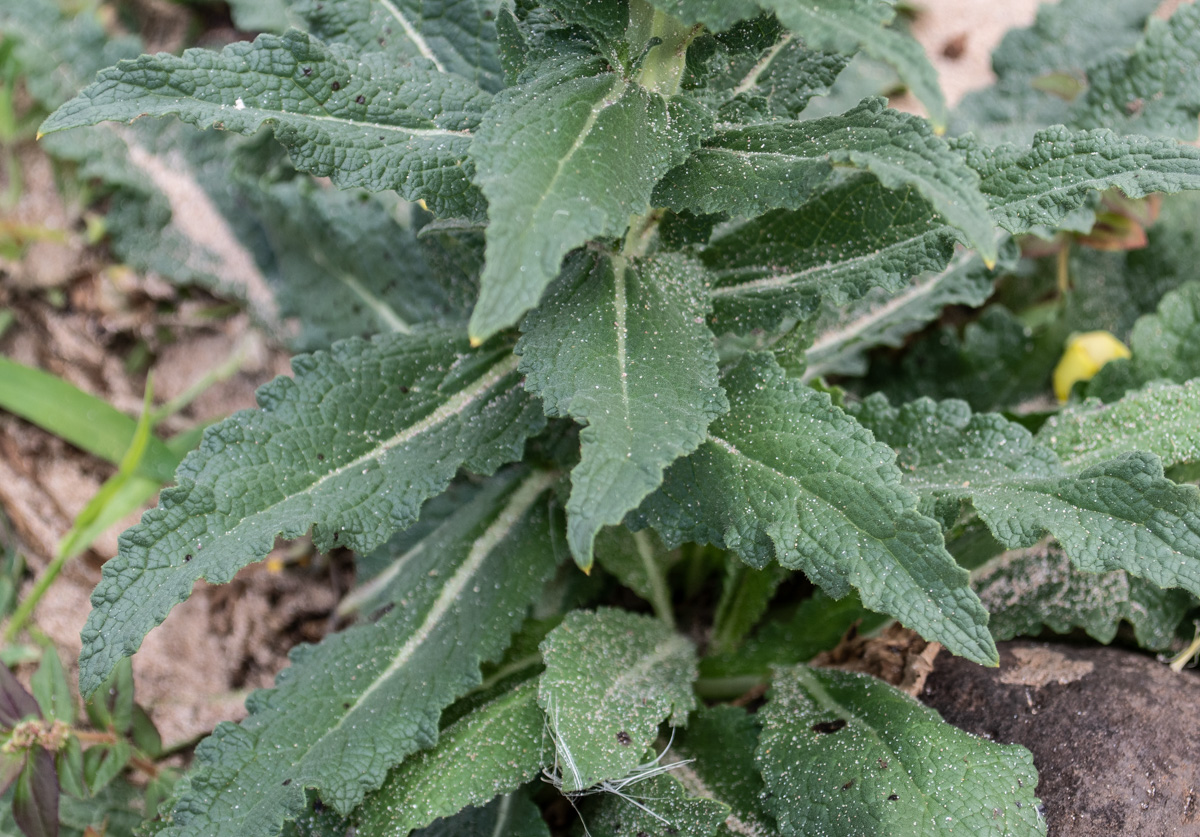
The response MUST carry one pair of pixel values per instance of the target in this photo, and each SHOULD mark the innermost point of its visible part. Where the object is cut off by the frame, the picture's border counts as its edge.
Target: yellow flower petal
(1083, 357)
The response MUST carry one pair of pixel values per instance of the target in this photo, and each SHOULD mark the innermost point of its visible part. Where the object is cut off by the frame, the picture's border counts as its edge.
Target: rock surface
(1113, 733)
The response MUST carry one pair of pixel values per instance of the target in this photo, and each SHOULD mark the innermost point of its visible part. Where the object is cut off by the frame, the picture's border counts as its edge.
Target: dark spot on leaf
(318, 806)
(286, 782)
(187, 557)
(362, 100)
(337, 85)
(382, 42)
(624, 739)
(883, 765)
(336, 535)
(672, 829)
(381, 612)
(826, 727)
(320, 457)
(307, 71)
(643, 834)
(1020, 784)
(893, 798)
(404, 390)
(848, 785)
(345, 706)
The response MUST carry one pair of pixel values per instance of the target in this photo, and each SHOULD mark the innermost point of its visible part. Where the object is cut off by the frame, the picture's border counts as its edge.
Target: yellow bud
(1083, 357)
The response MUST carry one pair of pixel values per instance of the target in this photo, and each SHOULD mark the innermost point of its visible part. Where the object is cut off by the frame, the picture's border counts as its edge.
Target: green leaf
(852, 238)
(608, 19)
(657, 805)
(1042, 186)
(564, 158)
(721, 741)
(350, 447)
(1152, 90)
(455, 36)
(494, 750)
(1166, 344)
(50, 688)
(1027, 589)
(1161, 420)
(880, 319)
(1116, 514)
(787, 475)
(363, 122)
(848, 26)
(35, 796)
(747, 171)
(717, 15)
(845, 754)
(745, 594)
(611, 678)
(513, 816)
(622, 347)
(779, 84)
(640, 562)
(358, 704)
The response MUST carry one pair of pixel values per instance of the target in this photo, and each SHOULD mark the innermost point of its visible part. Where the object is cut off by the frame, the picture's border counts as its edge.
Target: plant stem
(660, 596)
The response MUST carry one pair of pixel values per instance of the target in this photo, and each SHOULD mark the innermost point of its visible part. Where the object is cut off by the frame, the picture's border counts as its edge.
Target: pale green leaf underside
(1117, 514)
(361, 121)
(611, 678)
(746, 171)
(563, 159)
(1027, 589)
(846, 754)
(849, 239)
(353, 707)
(456, 36)
(623, 348)
(787, 475)
(1154, 90)
(1162, 419)
(350, 448)
(495, 749)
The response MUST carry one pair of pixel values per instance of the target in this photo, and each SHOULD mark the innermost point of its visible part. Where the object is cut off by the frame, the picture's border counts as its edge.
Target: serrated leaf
(1163, 420)
(787, 475)
(842, 243)
(1027, 589)
(623, 348)
(1152, 90)
(747, 171)
(777, 83)
(1166, 344)
(842, 753)
(1042, 186)
(721, 741)
(656, 805)
(513, 816)
(1117, 514)
(494, 750)
(350, 448)
(353, 707)
(611, 678)
(363, 122)
(879, 319)
(456, 36)
(848, 26)
(564, 158)
(609, 19)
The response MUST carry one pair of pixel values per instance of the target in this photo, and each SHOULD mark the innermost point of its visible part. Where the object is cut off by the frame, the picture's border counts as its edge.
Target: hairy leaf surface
(1122, 513)
(564, 158)
(1027, 589)
(843, 753)
(495, 749)
(611, 678)
(361, 121)
(350, 448)
(514, 815)
(455, 36)
(674, 808)
(1163, 420)
(623, 348)
(1154, 90)
(778, 84)
(750, 170)
(722, 740)
(854, 237)
(356, 705)
(787, 475)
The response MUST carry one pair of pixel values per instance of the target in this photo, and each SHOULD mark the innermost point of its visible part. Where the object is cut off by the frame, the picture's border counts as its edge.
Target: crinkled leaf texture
(787, 475)
(495, 749)
(1122, 513)
(456, 36)
(361, 120)
(622, 347)
(843, 753)
(611, 678)
(350, 448)
(1026, 589)
(749, 170)
(353, 707)
(566, 157)
(839, 245)
(721, 741)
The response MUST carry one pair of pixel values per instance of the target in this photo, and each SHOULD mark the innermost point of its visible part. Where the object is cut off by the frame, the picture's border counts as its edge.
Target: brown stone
(1113, 733)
